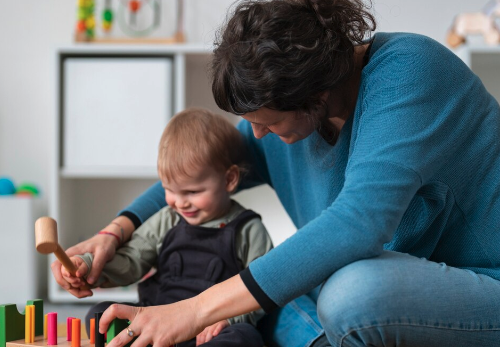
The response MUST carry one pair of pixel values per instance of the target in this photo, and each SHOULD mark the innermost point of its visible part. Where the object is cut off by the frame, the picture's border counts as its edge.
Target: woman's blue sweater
(416, 169)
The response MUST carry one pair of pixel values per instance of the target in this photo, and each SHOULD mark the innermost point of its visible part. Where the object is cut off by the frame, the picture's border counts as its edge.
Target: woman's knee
(360, 293)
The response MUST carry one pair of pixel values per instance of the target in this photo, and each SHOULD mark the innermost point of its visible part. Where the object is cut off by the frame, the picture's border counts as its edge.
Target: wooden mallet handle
(46, 242)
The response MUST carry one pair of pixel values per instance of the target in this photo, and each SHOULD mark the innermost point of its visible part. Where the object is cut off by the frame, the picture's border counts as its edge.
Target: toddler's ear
(232, 178)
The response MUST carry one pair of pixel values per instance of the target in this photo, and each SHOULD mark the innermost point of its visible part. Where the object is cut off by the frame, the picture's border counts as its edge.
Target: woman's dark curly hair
(282, 54)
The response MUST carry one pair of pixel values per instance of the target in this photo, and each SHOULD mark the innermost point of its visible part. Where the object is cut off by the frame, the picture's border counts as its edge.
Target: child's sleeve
(252, 241)
(135, 258)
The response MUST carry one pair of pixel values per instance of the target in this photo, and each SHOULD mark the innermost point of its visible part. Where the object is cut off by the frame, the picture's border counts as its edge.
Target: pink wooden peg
(69, 328)
(52, 329)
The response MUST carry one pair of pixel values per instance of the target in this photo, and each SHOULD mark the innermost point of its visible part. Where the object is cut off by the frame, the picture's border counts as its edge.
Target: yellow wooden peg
(45, 326)
(29, 329)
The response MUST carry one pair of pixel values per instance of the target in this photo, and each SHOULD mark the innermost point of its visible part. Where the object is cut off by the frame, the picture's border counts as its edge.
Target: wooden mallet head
(46, 235)
(46, 243)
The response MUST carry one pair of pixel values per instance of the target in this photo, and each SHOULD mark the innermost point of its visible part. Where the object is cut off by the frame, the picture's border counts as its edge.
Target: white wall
(427, 17)
(30, 29)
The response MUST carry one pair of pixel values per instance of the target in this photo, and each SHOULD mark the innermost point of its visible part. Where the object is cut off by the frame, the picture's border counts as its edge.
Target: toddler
(201, 237)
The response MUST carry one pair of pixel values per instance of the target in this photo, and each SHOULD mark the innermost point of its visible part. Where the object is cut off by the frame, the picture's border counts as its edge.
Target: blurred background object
(138, 21)
(485, 23)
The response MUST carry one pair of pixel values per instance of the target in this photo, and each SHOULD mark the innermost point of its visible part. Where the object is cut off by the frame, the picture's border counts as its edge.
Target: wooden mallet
(46, 243)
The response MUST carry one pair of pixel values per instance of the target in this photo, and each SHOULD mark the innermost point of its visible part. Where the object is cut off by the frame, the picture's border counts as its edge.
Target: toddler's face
(201, 198)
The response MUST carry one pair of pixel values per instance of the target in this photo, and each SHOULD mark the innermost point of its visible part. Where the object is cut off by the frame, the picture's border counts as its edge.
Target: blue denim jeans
(392, 300)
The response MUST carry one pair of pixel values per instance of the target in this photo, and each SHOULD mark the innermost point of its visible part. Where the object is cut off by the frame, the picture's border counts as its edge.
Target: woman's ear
(232, 178)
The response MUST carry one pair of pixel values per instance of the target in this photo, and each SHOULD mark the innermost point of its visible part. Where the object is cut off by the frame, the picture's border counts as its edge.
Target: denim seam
(414, 325)
(306, 317)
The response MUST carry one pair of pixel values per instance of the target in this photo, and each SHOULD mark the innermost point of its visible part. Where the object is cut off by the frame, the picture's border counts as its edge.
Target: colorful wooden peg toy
(34, 329)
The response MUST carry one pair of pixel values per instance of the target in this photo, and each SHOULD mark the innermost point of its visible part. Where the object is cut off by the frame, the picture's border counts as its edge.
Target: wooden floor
(61, 340)
(39, 342)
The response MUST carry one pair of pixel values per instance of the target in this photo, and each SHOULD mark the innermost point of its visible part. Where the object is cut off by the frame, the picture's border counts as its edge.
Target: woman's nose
(259, 131)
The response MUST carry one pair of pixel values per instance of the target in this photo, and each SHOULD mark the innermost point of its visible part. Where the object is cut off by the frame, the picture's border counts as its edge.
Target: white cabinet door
(114, 112)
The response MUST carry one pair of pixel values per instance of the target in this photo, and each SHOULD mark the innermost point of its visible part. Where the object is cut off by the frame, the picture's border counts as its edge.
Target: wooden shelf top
(99, 48)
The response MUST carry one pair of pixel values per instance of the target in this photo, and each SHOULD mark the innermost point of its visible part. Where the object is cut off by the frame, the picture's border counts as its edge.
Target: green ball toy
(27, 189)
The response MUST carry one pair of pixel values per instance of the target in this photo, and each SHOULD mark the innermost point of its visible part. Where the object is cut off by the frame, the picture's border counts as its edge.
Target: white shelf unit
(484, 61)
(103, 94)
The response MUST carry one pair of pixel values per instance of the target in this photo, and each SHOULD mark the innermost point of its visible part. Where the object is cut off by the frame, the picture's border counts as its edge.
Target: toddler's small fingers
(217, 330)
(208, 337)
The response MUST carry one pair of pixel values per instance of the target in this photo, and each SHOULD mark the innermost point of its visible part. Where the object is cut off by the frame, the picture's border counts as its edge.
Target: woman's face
(290, 126)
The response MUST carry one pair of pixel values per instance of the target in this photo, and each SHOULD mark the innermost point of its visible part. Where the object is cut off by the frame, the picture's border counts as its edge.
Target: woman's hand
(156, 325)
(103, 249)
(170, 324)
(210, 332)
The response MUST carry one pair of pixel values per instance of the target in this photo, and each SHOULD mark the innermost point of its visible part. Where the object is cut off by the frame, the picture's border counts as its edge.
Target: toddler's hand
(78, 280)
(210, 332)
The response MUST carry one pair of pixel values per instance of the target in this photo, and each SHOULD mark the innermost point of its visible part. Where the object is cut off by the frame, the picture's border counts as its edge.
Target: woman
(386, 155)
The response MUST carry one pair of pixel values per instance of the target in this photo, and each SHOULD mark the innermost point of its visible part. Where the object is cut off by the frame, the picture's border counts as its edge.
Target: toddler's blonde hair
(197, 138)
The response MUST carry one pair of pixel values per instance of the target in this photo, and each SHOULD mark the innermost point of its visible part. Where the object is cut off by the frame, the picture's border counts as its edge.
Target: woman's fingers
(100, 259)
(80, 293)
(102, 248)
(83, 247)
(127, 335)
(118, 311)
(135, 330)
(141, 341)
(56, 268)
(158, 325)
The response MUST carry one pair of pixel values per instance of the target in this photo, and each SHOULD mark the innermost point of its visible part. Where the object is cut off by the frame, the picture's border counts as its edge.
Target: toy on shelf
(107, 17)
(130, 13)
(137, 19)
(27, 189)
(483, 23)
(33, 328)
(7, 187)
(85, 25)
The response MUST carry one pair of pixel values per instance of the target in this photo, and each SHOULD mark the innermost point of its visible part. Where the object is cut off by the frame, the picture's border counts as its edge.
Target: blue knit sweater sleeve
(408, 119)
(145, 205)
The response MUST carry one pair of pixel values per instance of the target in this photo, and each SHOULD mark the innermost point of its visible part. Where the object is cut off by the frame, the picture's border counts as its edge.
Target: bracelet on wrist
(104, 232)
(121, 231)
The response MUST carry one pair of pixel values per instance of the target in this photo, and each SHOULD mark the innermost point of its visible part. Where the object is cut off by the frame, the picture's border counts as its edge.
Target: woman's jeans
(392, 300)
